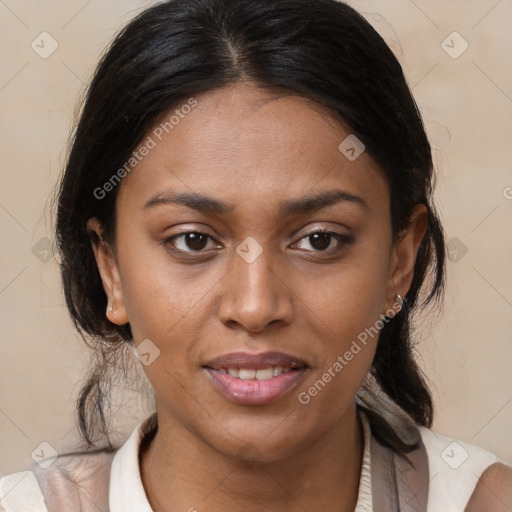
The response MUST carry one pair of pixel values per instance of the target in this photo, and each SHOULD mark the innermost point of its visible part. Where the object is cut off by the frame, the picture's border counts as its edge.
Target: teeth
(247, 374)
(250, 374)
(234, 372)
(265, 374)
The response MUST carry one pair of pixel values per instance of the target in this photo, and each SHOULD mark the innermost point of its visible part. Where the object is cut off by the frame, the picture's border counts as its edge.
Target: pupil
(320, 241)
(196, 241)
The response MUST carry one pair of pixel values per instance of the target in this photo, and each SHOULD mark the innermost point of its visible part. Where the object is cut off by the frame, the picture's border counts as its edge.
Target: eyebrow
(302, 205)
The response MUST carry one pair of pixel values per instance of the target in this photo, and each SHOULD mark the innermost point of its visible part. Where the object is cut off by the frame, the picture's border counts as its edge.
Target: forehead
(245, 144)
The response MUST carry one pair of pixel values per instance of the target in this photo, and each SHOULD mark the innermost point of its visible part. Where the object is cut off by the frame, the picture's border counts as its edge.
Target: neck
(181, 472)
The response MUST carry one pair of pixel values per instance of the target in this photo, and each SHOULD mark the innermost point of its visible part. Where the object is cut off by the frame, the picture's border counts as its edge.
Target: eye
(321, 240)
(190, 241)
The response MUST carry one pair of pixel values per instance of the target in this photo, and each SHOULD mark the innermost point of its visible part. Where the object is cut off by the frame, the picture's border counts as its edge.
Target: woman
(247, 204)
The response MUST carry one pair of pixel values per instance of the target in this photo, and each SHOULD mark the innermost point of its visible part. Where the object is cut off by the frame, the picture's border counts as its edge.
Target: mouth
(251, 373)
(255, 379)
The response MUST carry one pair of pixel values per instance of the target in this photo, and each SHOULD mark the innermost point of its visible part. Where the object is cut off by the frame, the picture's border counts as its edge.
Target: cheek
(160, 299)
(352, 296)
(345, 311)
(346, 320)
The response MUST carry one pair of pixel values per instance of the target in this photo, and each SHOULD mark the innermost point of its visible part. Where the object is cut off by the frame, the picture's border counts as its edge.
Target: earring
(110, 304)
(400, 301)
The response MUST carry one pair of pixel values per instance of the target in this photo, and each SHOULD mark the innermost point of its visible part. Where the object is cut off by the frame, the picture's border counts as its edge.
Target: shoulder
(21, 491)
(493, 492)
(454, 454)
(70, 479)
(457, 469)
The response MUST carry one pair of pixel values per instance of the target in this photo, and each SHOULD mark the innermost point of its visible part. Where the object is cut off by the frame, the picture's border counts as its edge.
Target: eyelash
(341, 238)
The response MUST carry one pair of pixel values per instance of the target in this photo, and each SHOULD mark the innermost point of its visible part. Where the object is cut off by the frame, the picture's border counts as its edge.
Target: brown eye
(192, 241)
(321, 240)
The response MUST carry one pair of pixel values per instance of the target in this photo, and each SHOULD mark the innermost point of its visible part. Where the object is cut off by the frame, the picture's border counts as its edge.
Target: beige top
(454, 468)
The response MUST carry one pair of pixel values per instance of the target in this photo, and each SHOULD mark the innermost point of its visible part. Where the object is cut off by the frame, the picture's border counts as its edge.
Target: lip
(255, 361)
(253, 391)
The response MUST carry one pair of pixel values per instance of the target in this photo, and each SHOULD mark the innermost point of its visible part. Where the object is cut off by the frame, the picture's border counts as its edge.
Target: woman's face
(238, 324)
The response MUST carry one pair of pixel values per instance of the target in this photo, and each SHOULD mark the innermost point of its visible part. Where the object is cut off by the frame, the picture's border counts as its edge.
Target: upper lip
(247, 360)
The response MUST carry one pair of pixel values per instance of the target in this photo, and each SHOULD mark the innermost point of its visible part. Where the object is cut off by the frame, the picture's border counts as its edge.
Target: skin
(253, 149)
(493, 491)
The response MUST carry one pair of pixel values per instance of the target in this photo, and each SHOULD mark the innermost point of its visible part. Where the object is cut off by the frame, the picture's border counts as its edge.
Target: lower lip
(255, 392)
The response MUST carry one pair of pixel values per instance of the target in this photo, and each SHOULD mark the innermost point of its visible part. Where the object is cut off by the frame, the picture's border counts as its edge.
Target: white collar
(127, 493)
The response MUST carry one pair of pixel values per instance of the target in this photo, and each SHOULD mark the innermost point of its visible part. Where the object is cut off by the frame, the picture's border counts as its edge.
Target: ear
(109, 272)
(404, 253)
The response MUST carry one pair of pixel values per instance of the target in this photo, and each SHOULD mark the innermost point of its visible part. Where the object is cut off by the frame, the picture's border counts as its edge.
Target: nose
(256, 294)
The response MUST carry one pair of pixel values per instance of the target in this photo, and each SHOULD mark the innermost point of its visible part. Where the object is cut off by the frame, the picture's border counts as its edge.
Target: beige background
(467, 107)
